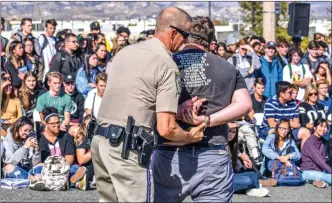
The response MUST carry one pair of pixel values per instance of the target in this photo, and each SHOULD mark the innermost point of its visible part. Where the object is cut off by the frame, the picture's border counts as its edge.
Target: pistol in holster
(137, 139)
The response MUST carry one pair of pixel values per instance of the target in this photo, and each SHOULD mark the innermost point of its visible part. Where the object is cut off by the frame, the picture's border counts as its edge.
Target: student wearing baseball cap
(95, 29)
(77, 100)
(271, 69)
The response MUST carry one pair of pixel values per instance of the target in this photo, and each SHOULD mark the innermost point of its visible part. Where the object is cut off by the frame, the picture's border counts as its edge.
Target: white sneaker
(257, 192)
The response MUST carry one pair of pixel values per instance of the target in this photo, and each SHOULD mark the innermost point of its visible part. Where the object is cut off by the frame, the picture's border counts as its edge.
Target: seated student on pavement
(314, 166)
(77, 100)
(29, 93)
(282, 106)
(54, 142)
(15, 64)
(21, 152)
(281, 146)
(246, 63)
(258, 99)
(55, 98)
(10, 105)
(295, 91)
(86, 76)
(310, 110)
(322, 87)
(323, 72)
(247, 181)
(83, 153)
(101, 55)
(67, 60)
(296, 72)
(96, 95)
(33, 62)
(271, 69)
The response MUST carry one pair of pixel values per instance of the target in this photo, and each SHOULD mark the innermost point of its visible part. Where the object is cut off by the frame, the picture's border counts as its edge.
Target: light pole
(210, 10)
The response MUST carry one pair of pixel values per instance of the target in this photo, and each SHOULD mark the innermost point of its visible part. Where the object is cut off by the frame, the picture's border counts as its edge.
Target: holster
(145, 147)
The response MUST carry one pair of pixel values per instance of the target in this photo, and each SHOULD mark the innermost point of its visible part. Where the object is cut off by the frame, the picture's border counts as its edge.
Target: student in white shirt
(96, 95)
(45, 44)
(296, 72)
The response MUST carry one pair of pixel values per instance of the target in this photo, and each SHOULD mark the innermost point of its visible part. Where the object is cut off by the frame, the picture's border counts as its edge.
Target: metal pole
(210, 10)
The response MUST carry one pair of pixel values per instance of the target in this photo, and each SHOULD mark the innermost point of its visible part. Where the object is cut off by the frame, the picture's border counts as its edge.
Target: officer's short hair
(202, 31)
(51, 75)
(101, 77)
(2, 20)
(172, 16)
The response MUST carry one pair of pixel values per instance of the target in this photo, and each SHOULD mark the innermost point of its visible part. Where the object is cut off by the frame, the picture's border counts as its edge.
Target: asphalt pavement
(307, 193)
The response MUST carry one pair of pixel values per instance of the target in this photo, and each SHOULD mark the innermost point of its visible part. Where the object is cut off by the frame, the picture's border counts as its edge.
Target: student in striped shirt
(283, 106)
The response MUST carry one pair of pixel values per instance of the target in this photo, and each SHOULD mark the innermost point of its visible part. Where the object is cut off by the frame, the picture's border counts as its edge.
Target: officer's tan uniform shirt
(141, 81)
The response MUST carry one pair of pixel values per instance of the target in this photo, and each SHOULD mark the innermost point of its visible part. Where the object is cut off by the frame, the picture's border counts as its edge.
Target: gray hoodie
(14, 153)
(20, 36)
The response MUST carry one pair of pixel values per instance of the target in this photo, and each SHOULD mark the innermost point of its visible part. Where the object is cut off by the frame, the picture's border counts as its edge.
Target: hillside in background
(226, 11)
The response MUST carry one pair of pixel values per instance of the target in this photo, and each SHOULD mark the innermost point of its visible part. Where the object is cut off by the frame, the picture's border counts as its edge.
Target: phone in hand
(23, 69)
(32, 134)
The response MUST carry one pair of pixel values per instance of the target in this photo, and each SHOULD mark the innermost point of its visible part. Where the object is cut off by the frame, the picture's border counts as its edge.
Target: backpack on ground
(285, 175)
(55, 173)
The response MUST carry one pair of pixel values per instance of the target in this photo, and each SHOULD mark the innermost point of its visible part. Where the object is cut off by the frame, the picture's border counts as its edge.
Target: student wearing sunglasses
(311, 110)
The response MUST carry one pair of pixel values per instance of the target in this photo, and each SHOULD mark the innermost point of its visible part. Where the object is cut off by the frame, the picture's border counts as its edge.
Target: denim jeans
(245, 180)
(311, 175)
(21, 173)
(205, 174)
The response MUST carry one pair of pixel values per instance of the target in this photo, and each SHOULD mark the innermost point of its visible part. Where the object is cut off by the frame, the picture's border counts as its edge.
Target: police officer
(202, 169)
(142, 83)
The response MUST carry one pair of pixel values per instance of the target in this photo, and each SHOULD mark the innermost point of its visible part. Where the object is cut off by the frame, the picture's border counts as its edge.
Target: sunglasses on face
(311, 94)
(184, 34)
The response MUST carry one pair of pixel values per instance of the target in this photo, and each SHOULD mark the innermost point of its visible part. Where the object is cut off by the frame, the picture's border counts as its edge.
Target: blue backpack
(285, 175)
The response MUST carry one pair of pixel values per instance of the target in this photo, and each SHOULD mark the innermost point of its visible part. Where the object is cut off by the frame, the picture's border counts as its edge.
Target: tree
(252, 16)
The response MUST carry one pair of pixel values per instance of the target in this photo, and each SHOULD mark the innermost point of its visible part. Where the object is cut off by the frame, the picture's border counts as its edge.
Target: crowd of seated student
(24, 154)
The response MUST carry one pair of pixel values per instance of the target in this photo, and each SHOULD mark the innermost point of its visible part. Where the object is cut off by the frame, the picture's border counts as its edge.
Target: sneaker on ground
(319, 183)
(257, 192)
(38, 185)
(82, 184)
(78, 175)
(269, 182)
